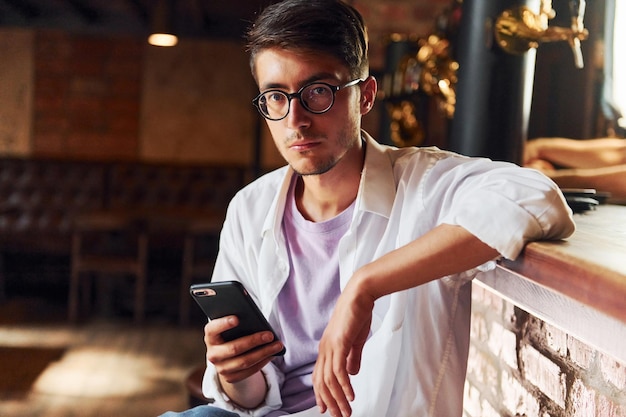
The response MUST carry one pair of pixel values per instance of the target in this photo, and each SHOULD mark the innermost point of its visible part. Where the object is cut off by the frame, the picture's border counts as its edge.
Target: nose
(298, 116)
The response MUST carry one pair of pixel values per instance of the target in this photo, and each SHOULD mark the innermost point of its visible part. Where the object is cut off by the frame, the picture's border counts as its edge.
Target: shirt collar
(376, 191)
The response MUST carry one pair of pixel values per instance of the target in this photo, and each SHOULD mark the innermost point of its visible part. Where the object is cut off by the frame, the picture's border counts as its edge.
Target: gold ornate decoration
(406, 129)
(519, 29)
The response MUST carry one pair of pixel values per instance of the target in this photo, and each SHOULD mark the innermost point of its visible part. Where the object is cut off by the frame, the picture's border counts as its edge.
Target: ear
(369, 87)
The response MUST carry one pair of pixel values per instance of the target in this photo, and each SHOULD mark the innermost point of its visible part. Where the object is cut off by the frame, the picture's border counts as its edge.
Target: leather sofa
(41, 198)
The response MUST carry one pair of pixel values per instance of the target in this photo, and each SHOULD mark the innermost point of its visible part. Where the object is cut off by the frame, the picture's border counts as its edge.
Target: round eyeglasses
(317, 98)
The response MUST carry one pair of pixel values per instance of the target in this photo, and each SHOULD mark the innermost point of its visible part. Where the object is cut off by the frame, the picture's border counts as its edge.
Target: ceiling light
(162, 30)
(162, 39)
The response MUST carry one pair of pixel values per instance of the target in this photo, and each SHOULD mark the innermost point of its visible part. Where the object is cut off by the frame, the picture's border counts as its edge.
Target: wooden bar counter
(577, 284)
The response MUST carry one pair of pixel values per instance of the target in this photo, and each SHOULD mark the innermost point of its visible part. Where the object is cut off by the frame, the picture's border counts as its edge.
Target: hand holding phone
(227, 298)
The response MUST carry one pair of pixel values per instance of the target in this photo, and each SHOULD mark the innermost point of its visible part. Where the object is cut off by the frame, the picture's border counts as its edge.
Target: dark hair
(323, 26)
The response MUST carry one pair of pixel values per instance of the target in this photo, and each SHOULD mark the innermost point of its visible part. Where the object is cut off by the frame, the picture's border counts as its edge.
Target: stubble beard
(323, 166)
(319, 168)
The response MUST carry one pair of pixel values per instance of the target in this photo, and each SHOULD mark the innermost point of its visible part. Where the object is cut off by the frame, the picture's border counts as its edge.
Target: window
(615, 69)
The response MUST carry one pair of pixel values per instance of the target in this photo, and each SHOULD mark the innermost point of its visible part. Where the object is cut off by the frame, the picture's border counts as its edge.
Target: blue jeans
(201, 411)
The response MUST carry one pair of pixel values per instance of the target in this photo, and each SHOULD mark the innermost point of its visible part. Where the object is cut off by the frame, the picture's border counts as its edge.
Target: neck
(322, 197)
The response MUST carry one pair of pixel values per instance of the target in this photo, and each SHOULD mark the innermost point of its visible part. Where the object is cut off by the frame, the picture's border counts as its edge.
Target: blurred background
(112, 144)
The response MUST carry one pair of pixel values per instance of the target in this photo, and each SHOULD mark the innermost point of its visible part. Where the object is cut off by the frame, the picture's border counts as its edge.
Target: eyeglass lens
(316, 98)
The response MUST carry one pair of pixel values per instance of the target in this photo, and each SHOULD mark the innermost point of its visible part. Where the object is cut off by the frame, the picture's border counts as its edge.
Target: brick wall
(407, 17)
(521, 366)
(87, 92)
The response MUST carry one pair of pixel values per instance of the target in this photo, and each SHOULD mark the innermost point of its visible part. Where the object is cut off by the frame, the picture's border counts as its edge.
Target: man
(358, 254)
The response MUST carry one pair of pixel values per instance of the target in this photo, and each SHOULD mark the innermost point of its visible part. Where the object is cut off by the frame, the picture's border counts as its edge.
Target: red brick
(517, 400)
(122, 106)
(52, 45)
(544, 374)
(487, 410)
(579, 353)
(81, 106)
(48, 143)
(556, 339)
(478, 327)
(89, 86)
(396, 12)
(52, 66)
(471, 400)
(47, 122)
(581, 401)
(613, 372)
(126, 49)
(123, 124)
(84, 66)
(54, 104)
(483, 369)
(51, 85)
(125, 67)
(607, 408)
(125, 87)
(91, 48)
(509, 348)
(508, 312)
(106, 146)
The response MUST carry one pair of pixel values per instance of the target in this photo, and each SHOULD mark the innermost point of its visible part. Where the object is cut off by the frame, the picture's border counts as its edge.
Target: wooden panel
(197, 103)
(16, 90)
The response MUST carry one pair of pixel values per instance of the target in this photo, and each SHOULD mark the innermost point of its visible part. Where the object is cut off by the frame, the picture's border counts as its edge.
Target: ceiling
(191, 18)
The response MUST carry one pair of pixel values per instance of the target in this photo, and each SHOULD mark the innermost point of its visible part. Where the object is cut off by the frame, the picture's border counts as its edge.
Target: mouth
(303, 145)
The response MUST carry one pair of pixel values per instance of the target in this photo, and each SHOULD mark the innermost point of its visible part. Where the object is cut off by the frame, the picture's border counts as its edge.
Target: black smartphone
(219, 299)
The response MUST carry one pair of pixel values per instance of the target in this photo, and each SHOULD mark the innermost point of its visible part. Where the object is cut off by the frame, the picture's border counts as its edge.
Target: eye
(318, 90)
(275, 97)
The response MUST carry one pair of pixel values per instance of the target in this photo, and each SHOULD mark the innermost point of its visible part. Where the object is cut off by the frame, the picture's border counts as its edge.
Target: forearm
(591, 153)
(609, 179)
(443, 251)
(248, 393)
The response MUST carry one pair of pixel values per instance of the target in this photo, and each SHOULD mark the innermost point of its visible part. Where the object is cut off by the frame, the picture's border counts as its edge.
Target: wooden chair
(112, 243)
(193, 383)
(199, 252)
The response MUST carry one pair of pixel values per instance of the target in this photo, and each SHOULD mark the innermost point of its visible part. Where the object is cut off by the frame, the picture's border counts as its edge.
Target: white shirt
(415, 360)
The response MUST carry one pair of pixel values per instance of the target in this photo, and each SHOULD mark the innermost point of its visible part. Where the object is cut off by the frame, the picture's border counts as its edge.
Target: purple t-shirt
(307, 299)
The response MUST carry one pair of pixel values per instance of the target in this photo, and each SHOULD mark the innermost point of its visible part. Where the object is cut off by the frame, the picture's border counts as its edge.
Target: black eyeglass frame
(298, 95)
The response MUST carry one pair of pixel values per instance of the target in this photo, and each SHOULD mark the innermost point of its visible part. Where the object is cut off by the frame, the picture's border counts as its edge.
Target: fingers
(333, 390)
(354, 357)
(213, 338)
(241, 367)
(339, 355)
(214, 328)
(238, 359)
(354, 362)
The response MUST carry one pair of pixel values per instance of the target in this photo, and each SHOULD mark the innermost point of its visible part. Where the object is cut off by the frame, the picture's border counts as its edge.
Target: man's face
(312, 144)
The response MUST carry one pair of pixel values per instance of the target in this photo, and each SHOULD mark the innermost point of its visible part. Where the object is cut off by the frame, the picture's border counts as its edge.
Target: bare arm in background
(575, 153)
(593, 163)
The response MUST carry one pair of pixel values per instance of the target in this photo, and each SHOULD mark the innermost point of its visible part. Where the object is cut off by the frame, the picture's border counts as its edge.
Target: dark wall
(565, 98)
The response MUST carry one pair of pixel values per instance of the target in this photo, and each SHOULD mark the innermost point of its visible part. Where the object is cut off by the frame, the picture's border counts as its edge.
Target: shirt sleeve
(230, 265)
(211, 388)
(502, 204)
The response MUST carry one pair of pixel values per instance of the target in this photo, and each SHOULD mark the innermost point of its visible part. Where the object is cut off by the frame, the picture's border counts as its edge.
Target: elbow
(558, 222)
